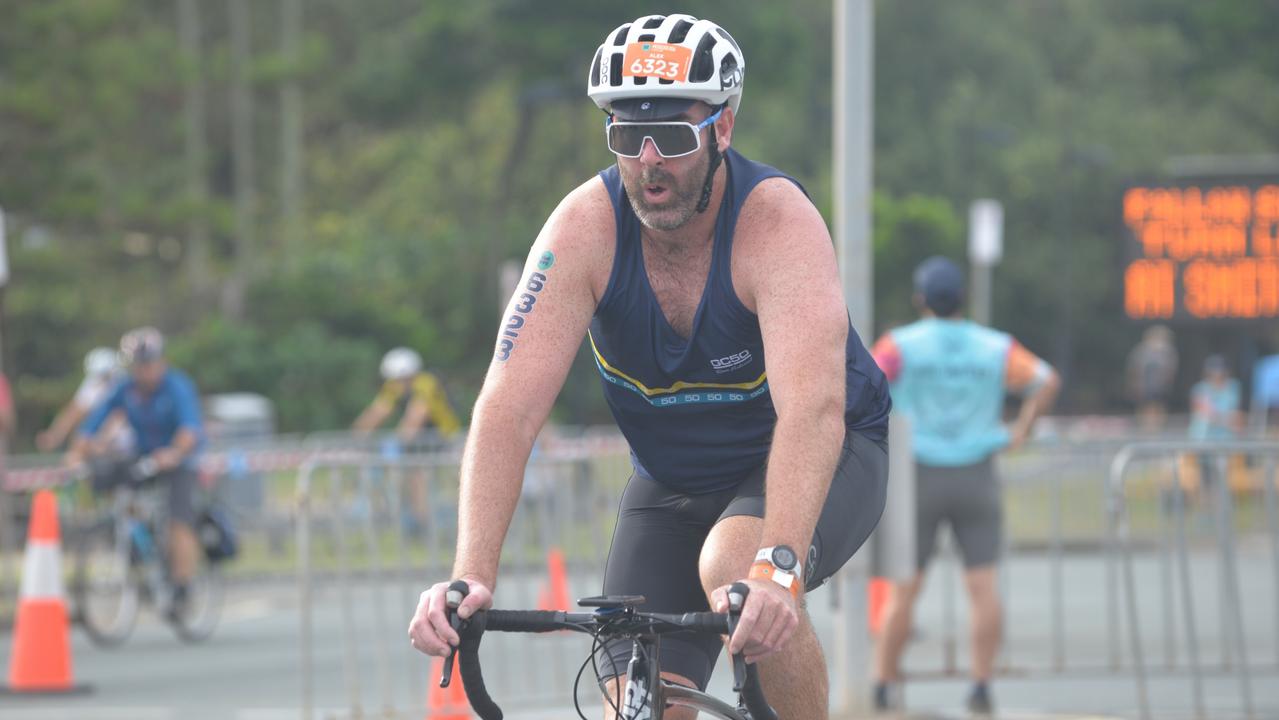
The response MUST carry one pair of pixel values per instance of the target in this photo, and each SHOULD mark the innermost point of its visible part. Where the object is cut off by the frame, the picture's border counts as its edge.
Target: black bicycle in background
(646, 695)
(121, 561)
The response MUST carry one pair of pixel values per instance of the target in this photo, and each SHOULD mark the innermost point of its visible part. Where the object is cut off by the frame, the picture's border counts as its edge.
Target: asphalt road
(251, 668)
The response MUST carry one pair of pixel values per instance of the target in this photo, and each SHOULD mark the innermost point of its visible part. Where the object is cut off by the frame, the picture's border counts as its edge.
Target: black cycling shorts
(659, 535)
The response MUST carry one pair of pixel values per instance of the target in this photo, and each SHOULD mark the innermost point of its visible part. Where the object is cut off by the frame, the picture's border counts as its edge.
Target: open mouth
(656, 193)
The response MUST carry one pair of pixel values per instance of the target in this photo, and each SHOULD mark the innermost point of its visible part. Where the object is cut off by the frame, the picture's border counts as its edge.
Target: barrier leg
(1187, 595)
(1230, 573)
(377, 577)
(305, 594)
(1272, 523)
(350, 650)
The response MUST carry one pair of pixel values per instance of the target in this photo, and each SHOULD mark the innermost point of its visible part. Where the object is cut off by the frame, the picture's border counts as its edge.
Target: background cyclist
(102, 372)
(162, 406)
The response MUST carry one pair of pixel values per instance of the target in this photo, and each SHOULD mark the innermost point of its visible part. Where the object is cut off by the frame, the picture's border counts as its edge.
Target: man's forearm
(499, 444)
(806, 449)
(1037, 404)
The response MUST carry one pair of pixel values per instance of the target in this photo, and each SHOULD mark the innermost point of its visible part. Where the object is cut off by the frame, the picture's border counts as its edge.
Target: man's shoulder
(585, 211)
(179, 380)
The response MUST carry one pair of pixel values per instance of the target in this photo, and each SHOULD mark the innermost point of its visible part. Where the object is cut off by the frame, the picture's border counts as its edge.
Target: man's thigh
(850, 513)
(655, 550)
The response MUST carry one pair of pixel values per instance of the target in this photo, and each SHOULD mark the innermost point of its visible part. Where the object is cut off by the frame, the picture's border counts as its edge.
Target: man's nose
(649, 154)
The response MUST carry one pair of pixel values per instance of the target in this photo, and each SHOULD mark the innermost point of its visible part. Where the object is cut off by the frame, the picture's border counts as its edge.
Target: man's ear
(724, 129)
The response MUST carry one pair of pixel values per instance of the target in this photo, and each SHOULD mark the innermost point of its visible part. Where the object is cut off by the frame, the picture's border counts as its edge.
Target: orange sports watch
(781, 565)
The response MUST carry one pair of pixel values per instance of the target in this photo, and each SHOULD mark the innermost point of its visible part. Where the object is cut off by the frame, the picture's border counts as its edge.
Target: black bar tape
(528, 621)
(706, 622)
(468, 659)
(753, 696)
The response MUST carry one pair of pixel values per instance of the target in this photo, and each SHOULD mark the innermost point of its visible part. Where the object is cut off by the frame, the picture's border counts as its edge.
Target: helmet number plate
(658, 60)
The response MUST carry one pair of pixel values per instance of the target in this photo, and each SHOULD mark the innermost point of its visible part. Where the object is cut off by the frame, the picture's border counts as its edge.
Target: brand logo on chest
(732, 362)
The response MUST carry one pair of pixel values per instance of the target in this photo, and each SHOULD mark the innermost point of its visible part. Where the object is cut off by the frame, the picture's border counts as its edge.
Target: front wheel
(103, 586)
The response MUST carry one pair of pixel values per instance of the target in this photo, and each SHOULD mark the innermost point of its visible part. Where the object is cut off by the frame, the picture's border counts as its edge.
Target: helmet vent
(615, 70)
(679, 32)
(664, 81)
(724, 34)
(703, 60)
(595, 68)
(620, 38)
(641, 80)
(655, 21)
(647, 37)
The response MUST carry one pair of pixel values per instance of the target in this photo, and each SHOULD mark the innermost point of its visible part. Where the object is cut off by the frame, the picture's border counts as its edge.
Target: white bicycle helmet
(101, 362)
(668, 56)
(401, 363)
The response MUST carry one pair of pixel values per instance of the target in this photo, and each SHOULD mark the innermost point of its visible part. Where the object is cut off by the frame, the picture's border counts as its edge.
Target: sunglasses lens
(672, 140)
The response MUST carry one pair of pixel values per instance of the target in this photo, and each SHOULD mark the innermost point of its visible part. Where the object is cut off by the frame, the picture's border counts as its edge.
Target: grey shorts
(180, 482)
(659, 535)
(967, 498)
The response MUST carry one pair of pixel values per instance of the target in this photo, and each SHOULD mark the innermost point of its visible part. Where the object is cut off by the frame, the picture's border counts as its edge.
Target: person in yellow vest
(425, 408)
(419, 392)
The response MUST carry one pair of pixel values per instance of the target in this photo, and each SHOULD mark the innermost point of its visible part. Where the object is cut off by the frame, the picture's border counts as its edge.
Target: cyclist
(689, 264)
(163, 408)
(419, 392)
(949, 378)
(101, 374)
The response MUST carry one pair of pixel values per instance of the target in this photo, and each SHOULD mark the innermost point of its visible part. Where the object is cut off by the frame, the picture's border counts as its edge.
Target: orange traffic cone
(446, 703)
(877, 594)
(41, 657)
(554, 595)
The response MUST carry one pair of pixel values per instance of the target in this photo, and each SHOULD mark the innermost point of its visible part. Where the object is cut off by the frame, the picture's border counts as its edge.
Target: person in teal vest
(950, 376)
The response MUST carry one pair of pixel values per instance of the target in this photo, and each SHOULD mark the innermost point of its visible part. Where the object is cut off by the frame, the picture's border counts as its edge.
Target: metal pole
(377, 581)
(1112, 574)
(1230, 574)
(1058, 587)
(407, 604)
(1119, 522)
(1187, 594)
(305, 598)
(1218, 506)
(853, 147)
(350, 652)
(981, 293)
(1165, 575)
(1272, 520)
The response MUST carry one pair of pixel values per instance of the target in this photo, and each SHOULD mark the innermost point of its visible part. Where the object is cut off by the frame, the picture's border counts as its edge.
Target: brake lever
(457, 592)
(737, 593)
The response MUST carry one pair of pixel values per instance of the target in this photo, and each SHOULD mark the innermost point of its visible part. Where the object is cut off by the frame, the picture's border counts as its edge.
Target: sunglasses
(672, 139)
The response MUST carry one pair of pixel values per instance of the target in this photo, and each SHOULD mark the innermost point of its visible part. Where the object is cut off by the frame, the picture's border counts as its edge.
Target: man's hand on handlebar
(429, 631)
(768, 620)
(166, 458)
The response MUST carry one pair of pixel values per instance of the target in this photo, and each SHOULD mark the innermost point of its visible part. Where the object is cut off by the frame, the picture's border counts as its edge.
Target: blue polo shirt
(156, 417)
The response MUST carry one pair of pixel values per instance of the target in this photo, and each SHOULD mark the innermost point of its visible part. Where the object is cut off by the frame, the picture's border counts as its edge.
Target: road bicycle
(615, 617)
(122, 562)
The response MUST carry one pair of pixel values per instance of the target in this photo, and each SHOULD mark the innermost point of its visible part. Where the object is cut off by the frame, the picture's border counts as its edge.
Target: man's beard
(679, 207)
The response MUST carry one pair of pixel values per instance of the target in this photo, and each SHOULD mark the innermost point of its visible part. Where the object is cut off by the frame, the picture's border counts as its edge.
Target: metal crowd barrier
(1234, 500)
(372, 533)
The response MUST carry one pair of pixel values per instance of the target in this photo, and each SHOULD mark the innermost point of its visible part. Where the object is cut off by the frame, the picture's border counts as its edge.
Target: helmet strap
(716, 157)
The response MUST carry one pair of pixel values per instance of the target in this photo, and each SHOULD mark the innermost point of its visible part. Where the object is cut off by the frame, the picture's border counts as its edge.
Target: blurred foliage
(438, 136)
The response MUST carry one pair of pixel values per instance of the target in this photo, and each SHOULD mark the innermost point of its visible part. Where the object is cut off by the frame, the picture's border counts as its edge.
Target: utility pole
(854, 57)
(291, 147)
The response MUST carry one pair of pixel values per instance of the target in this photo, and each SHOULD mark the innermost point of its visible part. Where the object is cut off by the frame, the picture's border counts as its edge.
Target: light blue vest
(951, 387)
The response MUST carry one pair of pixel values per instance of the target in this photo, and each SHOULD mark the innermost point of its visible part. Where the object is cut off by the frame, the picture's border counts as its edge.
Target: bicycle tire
(103, 578)
(204, 605)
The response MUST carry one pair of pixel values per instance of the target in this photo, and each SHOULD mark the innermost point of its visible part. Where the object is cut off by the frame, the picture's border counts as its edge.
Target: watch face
(784, 558)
